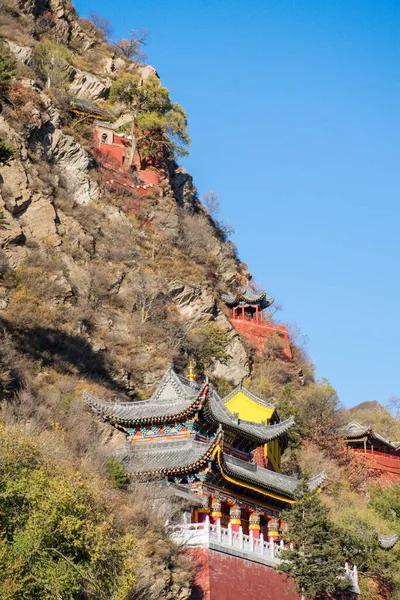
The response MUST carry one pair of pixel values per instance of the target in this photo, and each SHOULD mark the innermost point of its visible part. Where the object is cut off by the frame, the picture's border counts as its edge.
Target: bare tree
(148, 295)
(132, 47)
(213, 204)
(102, 24)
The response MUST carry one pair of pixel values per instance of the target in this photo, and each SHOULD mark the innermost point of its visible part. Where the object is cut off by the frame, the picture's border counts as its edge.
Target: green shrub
(210, 344)
(7, 68)
(6, 150)
(116, 472)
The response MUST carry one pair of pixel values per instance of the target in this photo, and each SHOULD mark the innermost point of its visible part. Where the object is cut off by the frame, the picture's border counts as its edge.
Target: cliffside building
(246, 312)
(381, 455)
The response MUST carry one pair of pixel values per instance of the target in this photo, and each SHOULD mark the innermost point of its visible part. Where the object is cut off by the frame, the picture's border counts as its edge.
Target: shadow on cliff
(66, 353)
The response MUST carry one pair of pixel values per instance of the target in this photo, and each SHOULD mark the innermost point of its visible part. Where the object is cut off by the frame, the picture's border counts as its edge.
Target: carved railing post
(241, 542)
(230, 540)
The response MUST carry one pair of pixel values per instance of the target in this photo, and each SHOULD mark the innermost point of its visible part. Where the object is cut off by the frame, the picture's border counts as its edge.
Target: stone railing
(224, 539)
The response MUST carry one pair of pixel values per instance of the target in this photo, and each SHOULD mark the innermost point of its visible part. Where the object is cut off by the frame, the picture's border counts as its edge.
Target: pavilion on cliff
(381, 455)
(246, 312)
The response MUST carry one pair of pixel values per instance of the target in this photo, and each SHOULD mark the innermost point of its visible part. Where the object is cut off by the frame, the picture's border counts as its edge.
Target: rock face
(74, 163)
(36, 222)
(86, 85)
(198, 305)
(40, 222)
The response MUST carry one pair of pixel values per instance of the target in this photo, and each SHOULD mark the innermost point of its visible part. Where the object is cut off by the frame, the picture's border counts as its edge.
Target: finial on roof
(190, 372)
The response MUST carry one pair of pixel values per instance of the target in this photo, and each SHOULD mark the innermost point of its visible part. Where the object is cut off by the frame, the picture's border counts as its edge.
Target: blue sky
(294, 115)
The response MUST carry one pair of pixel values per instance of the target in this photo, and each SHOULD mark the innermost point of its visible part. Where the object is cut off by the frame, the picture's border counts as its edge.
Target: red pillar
(203, 513)
(273, 530)
(254, 524)
(234, 517)
(243, 311)
(216, 512)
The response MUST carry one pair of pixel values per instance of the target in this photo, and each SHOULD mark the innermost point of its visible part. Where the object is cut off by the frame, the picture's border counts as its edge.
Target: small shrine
(190, 437)
(379, 454)
(246, 312)
(247, 304)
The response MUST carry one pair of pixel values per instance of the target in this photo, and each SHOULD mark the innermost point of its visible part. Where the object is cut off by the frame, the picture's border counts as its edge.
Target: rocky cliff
(136, 285)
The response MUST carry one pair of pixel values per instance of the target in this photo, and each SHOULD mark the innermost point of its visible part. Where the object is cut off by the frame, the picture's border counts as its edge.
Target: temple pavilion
(247, 313)
(224, 452)
(247, 303)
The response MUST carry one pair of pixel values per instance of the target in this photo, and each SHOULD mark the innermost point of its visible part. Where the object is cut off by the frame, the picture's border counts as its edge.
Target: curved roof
(174, 395)
(166, 457)
(248, 295)
(264, 478)
(354, 430)
(217, 412)
(387, 541)
(188, 454)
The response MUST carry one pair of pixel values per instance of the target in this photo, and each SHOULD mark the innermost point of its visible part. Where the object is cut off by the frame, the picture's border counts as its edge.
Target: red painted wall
(115, 153)
(256, 333)
(224, 577)
(387, 467)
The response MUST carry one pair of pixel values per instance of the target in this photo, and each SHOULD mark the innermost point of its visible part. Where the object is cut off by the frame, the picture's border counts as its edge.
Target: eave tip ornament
(191, 376)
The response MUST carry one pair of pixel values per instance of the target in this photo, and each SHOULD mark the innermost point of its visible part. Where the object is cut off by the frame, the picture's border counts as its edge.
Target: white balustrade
(202, 534)
(224, 538)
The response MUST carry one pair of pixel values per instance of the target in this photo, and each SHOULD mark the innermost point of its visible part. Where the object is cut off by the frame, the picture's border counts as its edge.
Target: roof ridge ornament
(191, 376)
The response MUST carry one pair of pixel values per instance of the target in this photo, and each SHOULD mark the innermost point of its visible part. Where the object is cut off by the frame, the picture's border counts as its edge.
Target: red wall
(114, 154)
(387, 467)
(256, 333)
(221, 576)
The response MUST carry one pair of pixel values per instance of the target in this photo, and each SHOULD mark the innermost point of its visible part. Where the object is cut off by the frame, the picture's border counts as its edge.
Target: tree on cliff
(155, 122)
(317, 559)
(7, 68)
(52, 62)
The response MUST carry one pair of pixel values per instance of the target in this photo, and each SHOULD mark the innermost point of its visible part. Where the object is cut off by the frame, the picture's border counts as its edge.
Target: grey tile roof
(265, 478)
(216, 411)
(388, 541)
(164, 456)
(89, 107)
(354, 431)
(248, 295)
(173, 396)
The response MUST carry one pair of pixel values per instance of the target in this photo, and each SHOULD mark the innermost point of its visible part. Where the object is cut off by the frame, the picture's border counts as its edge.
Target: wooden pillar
(254, 524)
(235, 513)
(216, 512)
(243, 311)
(273, 530)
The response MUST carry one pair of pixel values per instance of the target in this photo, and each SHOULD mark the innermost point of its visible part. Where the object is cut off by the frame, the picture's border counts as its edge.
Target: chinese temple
(224, 453)
(114, 150)
(379, 454)
(246, 312)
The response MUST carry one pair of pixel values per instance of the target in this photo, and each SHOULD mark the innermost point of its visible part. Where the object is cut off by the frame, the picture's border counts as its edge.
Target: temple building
(223, 456)
(189, 435)
(246, 311)
(381, 455)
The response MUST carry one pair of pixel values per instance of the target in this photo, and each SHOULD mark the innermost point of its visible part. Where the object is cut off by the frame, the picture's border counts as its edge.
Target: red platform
(256, 332)
(220, 576)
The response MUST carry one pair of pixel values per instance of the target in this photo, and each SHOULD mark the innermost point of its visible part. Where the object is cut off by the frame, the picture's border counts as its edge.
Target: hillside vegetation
(102, 288)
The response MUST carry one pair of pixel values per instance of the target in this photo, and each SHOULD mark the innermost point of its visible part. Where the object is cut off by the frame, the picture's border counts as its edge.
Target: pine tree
(317, 559)
(156, 124)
